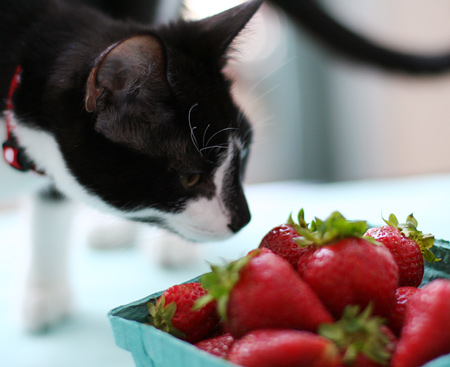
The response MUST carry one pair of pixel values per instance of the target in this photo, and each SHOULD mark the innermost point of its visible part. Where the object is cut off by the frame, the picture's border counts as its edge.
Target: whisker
(268, 121)
(193, 138)
(261, 96)
(271, 73)
(220, 131)
(204, 135)
(222, 146)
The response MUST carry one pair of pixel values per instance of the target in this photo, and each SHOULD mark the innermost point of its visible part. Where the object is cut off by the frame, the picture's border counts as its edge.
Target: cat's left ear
(123, 66)
(221, 29)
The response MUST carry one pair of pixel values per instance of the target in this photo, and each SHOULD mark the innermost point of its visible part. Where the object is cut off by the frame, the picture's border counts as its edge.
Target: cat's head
(168, 145)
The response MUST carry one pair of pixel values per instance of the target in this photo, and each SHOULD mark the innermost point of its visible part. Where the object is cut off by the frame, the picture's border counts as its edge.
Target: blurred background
(323, 118)
(334, 129)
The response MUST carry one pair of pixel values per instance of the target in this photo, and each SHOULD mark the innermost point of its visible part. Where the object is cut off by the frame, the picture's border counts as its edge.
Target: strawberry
(347, 269)
(426, 329)
(284, 348)
(363, 339)
(364, 361)
(263, 291)
(409, 247)
(281, 240)
(173, 312)
(402, 297)
(218, 345)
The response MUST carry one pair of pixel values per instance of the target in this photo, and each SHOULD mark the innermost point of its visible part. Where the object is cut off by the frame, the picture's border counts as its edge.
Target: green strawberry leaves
(358, 333)
(160, 316)
(409, 230)
(302, 224)
(220, 281)
(332, 229)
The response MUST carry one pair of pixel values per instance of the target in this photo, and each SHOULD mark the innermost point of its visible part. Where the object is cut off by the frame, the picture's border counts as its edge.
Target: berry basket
(151, 347)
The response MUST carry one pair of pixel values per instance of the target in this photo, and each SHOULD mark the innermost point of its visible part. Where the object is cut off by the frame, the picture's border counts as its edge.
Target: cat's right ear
(219, 31)
(123, 66)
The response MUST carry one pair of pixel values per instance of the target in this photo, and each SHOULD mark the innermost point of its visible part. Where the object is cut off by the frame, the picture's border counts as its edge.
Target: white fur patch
(202, 220)
(211, 213)
(14, 183)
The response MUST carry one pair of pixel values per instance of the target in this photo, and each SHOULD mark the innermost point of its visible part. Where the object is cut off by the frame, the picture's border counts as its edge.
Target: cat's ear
(124, 66)
(221, 29)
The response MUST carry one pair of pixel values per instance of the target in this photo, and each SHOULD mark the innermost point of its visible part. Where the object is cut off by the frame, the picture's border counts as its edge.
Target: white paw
(174, 251)
(44, 305)
(113, 234)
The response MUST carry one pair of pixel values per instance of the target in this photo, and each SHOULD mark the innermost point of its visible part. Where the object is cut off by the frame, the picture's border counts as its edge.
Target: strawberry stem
(358, 333)
(409, 230)
(301, 221)
(220, 281)
(160, 316)
(332, 229)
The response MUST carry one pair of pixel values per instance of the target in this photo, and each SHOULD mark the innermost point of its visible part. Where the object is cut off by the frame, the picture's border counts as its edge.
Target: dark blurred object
(314, 17)
(141, 10)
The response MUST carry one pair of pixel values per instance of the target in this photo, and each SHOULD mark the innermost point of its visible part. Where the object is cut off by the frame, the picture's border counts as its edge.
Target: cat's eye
(190, 180)
(244, 153)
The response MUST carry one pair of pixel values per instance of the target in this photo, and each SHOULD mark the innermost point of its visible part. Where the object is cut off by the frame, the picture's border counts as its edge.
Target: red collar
(13, 154)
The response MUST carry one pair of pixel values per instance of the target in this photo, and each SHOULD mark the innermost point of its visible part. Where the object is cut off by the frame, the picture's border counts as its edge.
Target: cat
(133, 120)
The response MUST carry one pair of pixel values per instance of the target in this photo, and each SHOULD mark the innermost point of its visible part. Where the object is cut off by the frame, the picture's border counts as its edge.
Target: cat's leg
(47, 296)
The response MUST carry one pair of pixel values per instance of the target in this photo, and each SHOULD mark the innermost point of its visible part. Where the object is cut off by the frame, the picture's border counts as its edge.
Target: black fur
(133, 148)
(140, 10)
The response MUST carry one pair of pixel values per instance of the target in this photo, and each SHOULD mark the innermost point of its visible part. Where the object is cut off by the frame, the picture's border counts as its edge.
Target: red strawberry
(363, 339)
(426, 329)
(346, 269)
(173, 312)
(402, 297)
(409, 247)
(263, 291)
(219, 345)
(283, 348)
(281, 240)
(258, 251)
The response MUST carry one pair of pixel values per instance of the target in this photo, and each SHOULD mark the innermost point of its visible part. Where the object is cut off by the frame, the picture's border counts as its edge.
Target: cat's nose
(236, 204)
(237, 224)
(240, 218)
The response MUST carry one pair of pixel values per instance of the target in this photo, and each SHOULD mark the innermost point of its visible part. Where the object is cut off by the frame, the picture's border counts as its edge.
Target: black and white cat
(134, 121)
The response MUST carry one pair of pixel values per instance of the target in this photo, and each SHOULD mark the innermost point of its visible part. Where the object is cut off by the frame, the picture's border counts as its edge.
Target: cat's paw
(44, 305)
(173, 251)
(112, 234)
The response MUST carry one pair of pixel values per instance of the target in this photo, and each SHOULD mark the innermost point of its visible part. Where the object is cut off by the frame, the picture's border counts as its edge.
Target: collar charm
(13, 154)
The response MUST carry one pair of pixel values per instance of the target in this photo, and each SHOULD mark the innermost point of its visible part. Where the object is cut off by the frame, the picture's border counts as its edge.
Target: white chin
(203, 220)
(201, 235)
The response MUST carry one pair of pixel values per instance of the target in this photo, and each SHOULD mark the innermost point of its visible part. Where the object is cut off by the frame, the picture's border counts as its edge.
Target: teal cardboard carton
(151, 347)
